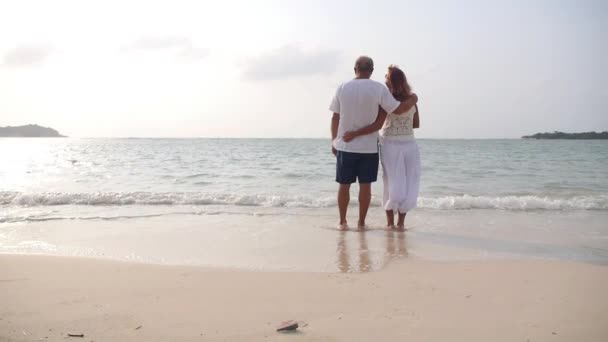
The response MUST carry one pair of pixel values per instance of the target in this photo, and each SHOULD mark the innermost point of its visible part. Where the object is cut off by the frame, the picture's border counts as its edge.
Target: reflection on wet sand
(354, 254)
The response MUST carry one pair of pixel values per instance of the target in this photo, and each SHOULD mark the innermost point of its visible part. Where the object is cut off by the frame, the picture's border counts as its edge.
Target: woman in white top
(399, 152)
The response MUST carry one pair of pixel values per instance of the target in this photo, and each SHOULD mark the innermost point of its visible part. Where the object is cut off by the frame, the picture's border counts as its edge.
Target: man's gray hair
(364, 63)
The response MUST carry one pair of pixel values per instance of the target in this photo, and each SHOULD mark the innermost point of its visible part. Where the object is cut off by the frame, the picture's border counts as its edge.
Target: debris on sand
(288, 326)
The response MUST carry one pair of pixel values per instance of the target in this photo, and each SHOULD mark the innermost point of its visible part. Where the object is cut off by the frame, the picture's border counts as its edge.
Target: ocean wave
(42, 218)
(515, 203)
(198, 175)
(161, 198)
(529, 202)
(45, 217)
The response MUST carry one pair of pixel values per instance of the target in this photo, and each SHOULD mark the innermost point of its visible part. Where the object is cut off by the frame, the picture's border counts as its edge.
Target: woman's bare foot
(401, 222)
(390, 227)
(343, 226)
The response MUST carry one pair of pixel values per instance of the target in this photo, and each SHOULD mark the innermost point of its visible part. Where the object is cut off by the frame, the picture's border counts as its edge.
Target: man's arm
(376, 125)
(407, 104)
(335, 121)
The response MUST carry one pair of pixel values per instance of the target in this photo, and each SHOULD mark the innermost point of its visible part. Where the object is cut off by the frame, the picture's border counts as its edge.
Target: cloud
(291, 62)
(181, 46)
(192, 53)
(26, 55)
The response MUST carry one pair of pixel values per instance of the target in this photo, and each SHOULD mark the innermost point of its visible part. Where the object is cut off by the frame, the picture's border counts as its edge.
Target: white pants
(401, 174)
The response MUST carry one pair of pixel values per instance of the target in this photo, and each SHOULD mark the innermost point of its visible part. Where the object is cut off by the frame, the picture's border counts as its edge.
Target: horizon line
(259, 138)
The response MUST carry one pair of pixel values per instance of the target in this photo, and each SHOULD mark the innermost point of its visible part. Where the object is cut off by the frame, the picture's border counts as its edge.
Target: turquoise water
(457, 174)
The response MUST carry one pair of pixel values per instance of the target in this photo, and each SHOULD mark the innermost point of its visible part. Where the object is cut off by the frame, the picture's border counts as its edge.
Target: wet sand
(307, 241)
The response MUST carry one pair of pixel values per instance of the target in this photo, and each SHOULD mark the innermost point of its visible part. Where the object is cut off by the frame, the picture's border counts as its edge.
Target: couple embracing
(361, 107)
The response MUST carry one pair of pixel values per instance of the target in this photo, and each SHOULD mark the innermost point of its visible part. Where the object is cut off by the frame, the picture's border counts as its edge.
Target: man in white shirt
(356, 105)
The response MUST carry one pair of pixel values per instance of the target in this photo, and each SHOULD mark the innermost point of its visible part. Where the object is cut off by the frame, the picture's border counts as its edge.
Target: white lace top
(399, 127)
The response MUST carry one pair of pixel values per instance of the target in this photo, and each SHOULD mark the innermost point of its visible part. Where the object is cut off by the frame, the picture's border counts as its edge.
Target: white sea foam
(515, 203)
(27, 245)
(269, 200)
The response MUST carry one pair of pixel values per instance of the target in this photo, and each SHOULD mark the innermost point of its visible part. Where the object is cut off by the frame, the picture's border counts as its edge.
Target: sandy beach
(47, 297)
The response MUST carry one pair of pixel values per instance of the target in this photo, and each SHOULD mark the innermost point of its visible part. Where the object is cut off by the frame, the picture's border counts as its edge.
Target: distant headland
(29, 131)
(572, 136)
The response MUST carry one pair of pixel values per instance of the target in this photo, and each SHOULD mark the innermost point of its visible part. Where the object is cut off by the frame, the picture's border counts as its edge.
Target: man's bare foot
(343, 226)
(361, 227)
(400, 228)
(390, 227)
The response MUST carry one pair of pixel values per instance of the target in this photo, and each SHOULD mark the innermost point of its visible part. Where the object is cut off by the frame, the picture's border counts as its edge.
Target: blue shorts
(351, 166)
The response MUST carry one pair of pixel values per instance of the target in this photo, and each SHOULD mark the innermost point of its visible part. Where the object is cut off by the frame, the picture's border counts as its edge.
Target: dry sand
(45, 298)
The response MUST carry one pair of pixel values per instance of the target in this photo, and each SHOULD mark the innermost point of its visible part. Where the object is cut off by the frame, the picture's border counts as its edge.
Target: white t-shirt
(357, 102)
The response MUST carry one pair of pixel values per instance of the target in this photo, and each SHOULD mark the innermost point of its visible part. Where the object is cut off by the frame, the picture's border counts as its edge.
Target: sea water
(270, 203)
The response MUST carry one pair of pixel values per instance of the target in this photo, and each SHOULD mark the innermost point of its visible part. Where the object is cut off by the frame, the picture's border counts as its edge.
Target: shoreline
(47, 297)
(304, 240)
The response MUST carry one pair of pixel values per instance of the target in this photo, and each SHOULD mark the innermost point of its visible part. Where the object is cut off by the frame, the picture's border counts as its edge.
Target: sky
(481, 69)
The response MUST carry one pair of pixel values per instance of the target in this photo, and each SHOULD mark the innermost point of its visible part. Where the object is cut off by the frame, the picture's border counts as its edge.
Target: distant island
(572, 136)
(29, 131)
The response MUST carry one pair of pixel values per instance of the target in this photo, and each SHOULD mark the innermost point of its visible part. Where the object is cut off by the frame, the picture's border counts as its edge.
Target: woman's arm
(376, 125)
(416, 118)
(407, 104)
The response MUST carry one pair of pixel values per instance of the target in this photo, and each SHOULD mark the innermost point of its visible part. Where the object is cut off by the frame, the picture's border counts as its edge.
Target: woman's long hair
(397, 83)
